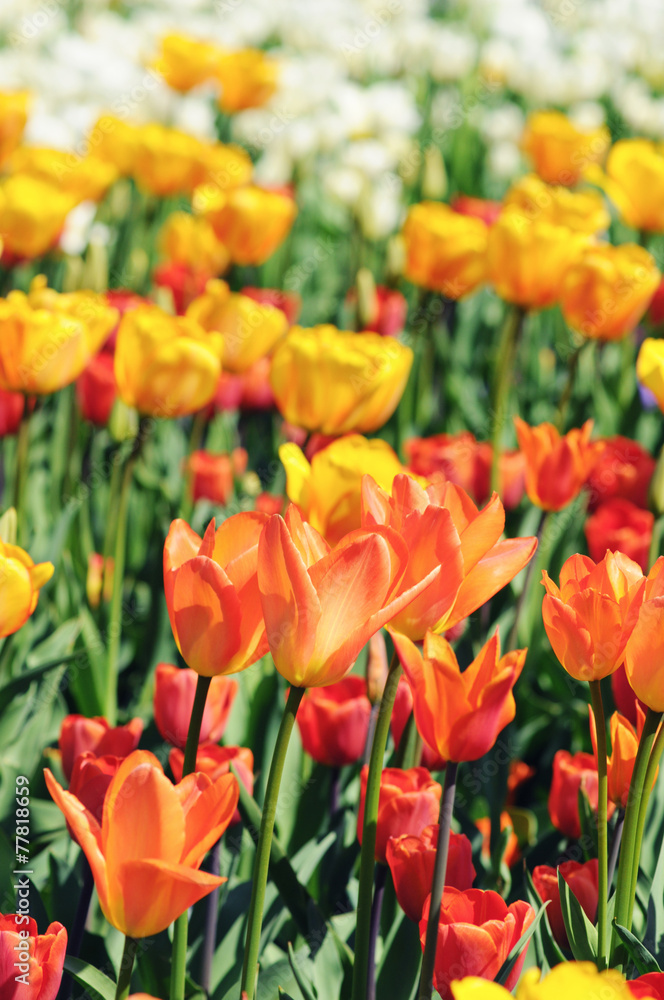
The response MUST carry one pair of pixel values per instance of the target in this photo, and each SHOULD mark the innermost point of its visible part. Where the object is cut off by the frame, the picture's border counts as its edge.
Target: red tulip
(96, 390)
(583, 882)
(620, 526)
(334, 721)
(215, 761)
(401, 712)
(389, 311)
(214, 475)
(624, 469)
(409, 801)
(185, 283)
(648, 987)
(174, 693)
(78, 734)
(90, 779)
(412, 859)
(30, 963)
(476, 933)
(571, 773)
(480, 208)
(290, 303)
(12, 405)
(268, 503)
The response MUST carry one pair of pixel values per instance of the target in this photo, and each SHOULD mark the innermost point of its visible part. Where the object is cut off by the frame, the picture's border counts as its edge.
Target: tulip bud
(377, 667)
(366, 298)
(123, 422)
(434, 175)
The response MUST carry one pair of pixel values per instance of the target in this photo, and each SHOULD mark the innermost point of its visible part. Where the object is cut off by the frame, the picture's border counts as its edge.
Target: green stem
(262, 861)
(655, 541)
(538, 561)
(195, 442)
(649, 781)
(367, 856)
(623, 909)
(566, 395)
(509, 339)
(438, 882)
(181, 925)
(126, 968)
(602, 829)
(21, 472)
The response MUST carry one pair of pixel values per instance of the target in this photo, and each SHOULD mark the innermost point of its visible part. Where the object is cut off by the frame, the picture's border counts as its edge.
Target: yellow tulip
(191, 240)
(47, 339)
(445, 250)
(165, 366)
(250, 329)
(186, 62)
(115, 141)
(225, 166)
(560, 150)
(13, 117)
(582, 211)
(251, 221)
(248, 79)
(328, 490)
(607, 289)
(528, 259)
(20, 583)
(650, 368)
(84, 177)
(32, 214)
(333, 381)
(634, 180)
(572, 980)
(167, 161)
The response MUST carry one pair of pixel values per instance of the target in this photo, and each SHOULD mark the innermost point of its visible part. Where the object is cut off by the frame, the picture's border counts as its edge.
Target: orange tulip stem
(509, 340)
(602, 826)
(368, 854)
(263, 848)
(628, 858)
(126, 968)
(651, 775)
(181, 925)
(438, 882)
(21, 471)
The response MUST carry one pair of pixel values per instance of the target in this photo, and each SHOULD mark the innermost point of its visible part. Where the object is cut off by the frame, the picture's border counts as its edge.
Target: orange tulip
(174, 699)
(212, 593)
(186, 62)
(251, 221)
(153, 836)
(624, 744)
(592, 614)
(215, 761)
(409, 802)
(450, 542)
(560, 151)
(571, 775)
(643, 654)
(557, 466)
(445, 250)
(248, 79)
(320, 606)
(460, 714)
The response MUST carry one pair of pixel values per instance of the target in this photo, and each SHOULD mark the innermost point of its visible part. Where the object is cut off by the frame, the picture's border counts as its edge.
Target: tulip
(327, 491)
(387, 313)
(519, 774)
(99, 579)
(463, 460)
(412, 859)
(580, 211)
(249, 330)
(250, 221)
(215, 761)
(333, 381)
(559, 149)
(642, 653)
(476, 932)
(79, 734)
(557, 466)
(290, 303)
(650, 368)
(445, 250)
(268, 503)
(31, 964)
(527, 258)
(190, 240)
(334, 722)
(184, 283)
(607, 289)
(624, 469)
(13, 117)
(153, 836)
(479, 208)
(511, 853)
(12, 405)
(167, 161)
(214, 475)
(96, 390)
(460, 714)
(116, 142)
(409, 802)
(582, 880)
(573, 980)
(20, 583)
(592, 614)
(401, 712)
(90, 778)
(212, 593)
(449, 539)
(32, 216)
(624, 743)
(634, 181)
(320, 606)
(620, 526)
(571, 774)
(165, 365)
(185, 62)
(174, 699)
(377, 668)
(84, 178)
(249, 391)
(650, 986)
(248, 79)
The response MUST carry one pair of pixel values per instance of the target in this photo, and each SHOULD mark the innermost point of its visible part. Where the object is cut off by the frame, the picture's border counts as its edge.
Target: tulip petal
(208, 809)
(207, 615)
(490, 575)
(155, 893)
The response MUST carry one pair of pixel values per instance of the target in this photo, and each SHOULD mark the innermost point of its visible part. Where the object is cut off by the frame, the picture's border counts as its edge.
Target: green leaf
(637, 951)
(547, 951)
(98, 985)
(581, 934)
(513, 956)
(306, 989)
